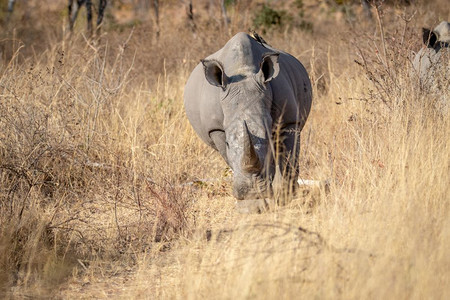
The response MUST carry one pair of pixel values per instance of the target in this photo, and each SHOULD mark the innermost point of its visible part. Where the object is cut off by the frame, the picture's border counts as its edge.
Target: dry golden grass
(106, 191)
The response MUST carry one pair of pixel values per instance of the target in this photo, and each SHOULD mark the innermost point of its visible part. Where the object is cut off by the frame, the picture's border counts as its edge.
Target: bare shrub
(386, 59)
(73, 156)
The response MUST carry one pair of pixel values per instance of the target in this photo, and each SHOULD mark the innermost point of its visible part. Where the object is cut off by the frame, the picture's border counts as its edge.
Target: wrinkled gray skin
(432, 62)
(236, 99)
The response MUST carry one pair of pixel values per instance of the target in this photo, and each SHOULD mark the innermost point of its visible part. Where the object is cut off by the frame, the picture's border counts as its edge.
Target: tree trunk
(156, 11)
(366, 6)
(190, 15)
(226, 20)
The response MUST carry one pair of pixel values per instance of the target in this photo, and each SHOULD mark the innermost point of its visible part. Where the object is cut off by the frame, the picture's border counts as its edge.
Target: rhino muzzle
(249, 187)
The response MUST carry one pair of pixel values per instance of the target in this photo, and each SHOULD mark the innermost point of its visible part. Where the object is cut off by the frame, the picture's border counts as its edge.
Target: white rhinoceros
(250, 101)
(432, 63)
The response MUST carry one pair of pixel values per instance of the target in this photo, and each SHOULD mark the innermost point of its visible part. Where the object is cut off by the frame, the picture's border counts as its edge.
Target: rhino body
(250, 101)
(432, 62)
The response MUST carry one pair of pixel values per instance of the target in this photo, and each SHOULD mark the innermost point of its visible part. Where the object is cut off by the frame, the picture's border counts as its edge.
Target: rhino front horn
(250, 161)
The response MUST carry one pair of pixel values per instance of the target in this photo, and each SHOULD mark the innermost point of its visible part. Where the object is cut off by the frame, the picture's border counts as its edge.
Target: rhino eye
(226, 144)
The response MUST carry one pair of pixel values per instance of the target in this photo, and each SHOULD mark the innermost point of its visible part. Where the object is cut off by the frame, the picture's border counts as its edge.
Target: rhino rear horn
(250, 161)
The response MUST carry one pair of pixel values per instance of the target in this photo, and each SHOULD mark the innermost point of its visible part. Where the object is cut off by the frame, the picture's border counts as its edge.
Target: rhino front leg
(291, 140)
(219, 140)
(287, 167)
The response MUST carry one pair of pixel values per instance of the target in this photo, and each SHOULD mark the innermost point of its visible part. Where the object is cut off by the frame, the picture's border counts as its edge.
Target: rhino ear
(269, 67)
(429, 37)
(214, 73)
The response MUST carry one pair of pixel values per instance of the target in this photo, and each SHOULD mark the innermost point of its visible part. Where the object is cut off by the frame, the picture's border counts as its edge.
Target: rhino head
(437, 38)
(246, 101)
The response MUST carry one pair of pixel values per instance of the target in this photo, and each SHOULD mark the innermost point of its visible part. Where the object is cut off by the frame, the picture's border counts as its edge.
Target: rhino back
(292, 92)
